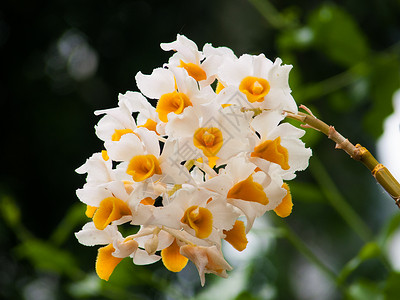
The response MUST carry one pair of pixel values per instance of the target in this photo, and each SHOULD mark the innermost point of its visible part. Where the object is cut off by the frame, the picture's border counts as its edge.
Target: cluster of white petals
(197, 168)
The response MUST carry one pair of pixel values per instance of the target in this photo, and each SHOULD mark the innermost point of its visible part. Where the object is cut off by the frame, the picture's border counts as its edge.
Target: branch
(357, 152)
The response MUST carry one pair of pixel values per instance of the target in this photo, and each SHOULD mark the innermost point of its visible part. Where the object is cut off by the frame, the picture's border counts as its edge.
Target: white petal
(261, 66)
(274, 191)
(251, 210)
(150, 141)
(161, 81)
(233, 71)
(209, 50)
(141, 257)
(280, 99)
(123, 150)
(184, 124)
(267, 121)
(121, 115)
(164, 240)
(98, 170)
(219, 184)
(186, 48)
(279, 75)
(93, 195)
(136, 102)
(239, 168)
(91, 236)
(224, 215)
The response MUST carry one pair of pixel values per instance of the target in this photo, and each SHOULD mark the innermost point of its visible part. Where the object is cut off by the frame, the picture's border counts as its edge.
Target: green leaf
(306, 192)
(10, 211)
(246, 295)
(392, 286)
(384, 81)
(298, 39)
(89, 286)
(368, 251)
(337, 35)
(391, 227)
(74, 217)
(45, 256)
(364, 290)
(271, 14)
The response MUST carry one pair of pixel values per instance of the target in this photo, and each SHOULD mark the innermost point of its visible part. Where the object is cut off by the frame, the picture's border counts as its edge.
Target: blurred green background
(61, 60)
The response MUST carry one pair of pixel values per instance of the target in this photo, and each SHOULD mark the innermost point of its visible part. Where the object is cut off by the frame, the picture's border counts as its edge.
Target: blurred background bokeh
(61, 60)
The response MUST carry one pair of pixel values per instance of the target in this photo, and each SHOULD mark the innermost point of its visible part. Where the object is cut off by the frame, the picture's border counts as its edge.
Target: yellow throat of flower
(255, 88)
(142, 167)
(274, 152)
(248, 190)
(172, 102)
(194, 71)
(209, 140)
(110, 209)
(200, 219)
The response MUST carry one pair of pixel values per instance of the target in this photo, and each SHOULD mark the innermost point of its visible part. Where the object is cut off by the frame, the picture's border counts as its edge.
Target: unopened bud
(151, 245)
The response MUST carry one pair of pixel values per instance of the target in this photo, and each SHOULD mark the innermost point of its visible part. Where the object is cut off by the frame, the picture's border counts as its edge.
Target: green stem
(303, 249)
(338, 202)
(271, 14)
(357, 152)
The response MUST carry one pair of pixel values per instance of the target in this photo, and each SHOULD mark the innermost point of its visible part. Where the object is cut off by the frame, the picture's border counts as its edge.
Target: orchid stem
(357, 152)
(305, 250)
(338, 202)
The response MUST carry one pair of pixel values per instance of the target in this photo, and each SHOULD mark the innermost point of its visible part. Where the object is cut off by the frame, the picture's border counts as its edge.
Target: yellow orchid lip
(142, 167)
(200, 219)
(172, 102)
(274, 152)
(194, 71)
(118, 133)
(284, 209)
(248, 190)
(255, 88)
(237, 236)
(106, 262)
(150, 125)
(110, 209)
(209, 140)
(172, 259)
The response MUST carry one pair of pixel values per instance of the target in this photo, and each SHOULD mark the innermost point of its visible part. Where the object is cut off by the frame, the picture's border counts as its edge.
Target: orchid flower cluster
(197, 169)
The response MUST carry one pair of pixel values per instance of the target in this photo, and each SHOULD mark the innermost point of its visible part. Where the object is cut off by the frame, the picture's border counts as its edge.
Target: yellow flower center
(194, 70)
(209, 140)
(200, 219)
(110, 209)
(172, 102)
(142, 167)
(255, 88)
(273, 152)
(248, 190)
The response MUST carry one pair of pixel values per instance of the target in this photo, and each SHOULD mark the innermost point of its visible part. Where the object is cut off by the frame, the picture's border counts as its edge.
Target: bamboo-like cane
(357, 152)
